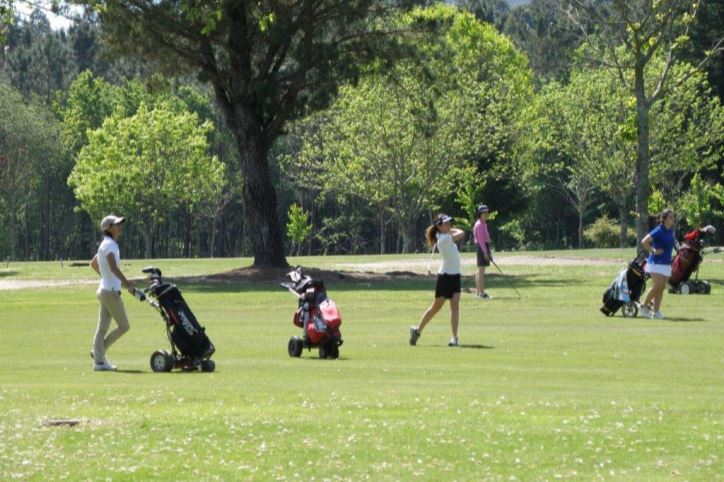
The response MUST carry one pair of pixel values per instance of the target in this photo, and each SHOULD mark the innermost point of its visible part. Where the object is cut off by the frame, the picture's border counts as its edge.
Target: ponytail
(431, 234)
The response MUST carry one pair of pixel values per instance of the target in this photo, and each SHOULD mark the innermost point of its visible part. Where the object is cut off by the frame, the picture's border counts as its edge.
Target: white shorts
(662, 269)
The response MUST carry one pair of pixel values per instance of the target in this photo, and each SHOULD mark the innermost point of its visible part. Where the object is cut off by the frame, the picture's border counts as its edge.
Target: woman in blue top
(660, 243)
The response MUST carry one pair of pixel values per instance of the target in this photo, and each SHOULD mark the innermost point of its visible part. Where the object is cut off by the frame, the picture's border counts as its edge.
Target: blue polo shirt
(662, 238)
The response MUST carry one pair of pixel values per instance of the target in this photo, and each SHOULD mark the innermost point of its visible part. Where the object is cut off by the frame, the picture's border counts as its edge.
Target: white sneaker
(645, 312)
(453, 341)
(657, 316)
(104, 367)
(414, 335)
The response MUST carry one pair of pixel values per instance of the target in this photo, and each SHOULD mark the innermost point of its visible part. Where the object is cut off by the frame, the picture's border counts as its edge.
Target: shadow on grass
(686, 320)
(464, 347)
(361, 284)
(315, 357)
(4, 274)
(134, 372)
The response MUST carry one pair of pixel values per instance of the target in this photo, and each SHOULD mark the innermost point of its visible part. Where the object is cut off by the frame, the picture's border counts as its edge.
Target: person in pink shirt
(482, 243)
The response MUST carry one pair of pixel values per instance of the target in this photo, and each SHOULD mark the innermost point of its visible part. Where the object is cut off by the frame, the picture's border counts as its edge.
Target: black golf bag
(185, 331)
(626, 290)
(191, 349)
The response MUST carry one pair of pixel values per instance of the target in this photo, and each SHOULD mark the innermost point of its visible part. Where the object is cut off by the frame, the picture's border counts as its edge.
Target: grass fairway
(543, 388)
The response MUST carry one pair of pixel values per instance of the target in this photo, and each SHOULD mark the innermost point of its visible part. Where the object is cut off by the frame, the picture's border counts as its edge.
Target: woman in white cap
(444, 236)
(106, 263)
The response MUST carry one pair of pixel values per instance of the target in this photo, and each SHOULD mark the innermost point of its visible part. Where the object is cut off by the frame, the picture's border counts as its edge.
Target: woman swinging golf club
(444, 236)
(106, 263)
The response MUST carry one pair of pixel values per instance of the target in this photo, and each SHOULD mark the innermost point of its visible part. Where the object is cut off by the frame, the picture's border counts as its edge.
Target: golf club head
(151, 270)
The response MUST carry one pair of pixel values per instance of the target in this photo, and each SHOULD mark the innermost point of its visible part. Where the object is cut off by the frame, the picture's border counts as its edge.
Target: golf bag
(626, 290)
(316, 314)
(687, 261)
(190, 347)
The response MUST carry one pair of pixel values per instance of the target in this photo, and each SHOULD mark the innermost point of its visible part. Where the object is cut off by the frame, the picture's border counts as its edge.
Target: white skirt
(662, 269)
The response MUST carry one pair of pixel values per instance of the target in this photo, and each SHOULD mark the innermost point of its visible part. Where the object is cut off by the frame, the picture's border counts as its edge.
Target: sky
(56, 22)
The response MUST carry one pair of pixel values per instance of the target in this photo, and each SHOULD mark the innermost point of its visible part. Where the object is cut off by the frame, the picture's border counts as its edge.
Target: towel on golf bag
(626, 288)
(325, 321)
(186, 332)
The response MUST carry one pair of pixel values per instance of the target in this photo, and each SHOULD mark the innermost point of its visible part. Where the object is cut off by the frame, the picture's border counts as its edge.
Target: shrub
(605, 232)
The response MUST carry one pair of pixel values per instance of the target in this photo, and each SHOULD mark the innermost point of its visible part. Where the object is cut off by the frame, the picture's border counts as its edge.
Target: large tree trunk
(260, 201)
(641, 180)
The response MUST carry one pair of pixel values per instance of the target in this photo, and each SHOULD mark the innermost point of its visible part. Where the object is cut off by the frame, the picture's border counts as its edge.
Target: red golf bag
(687, 261)
(317, 315)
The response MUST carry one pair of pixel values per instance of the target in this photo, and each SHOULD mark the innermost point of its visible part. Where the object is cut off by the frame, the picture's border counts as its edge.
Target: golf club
(429, 263)
(510, 283)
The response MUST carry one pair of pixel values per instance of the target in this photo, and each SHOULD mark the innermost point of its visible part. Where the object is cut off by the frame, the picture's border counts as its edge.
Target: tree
(268, 63)
(698, 205)
(687, 128)
(582, 127)
(541, 31)
(646, 28)
(30, 153)
(298, 227)
(145, 166)
(401, 142)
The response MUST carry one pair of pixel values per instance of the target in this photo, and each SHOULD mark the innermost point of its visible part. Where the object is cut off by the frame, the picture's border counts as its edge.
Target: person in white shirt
(106, 263)
(443, 236)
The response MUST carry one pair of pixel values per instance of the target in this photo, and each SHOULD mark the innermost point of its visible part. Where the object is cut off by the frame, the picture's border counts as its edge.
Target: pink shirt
(480, 234)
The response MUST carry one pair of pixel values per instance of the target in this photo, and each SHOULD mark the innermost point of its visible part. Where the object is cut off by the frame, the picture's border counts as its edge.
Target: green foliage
(657, 203)
(699, 204)
(402, 141)
(6, 19)
(31, 159)
(686, 132)
(605, 233)
(298, 227)
(515, 230)
(146, 165)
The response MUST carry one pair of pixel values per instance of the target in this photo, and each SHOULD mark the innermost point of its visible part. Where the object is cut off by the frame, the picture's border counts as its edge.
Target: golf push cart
(316, 314)
(191, 349)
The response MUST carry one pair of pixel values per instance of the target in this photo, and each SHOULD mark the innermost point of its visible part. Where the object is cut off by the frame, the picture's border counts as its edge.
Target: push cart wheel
(629, 310)
(707, 287)
(685, 288)
(294, 348)
(323, 352)
(208, 365)
(161, 361)
(334, 352)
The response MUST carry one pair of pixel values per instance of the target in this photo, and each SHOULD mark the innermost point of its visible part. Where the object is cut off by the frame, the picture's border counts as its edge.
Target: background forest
(532, 108)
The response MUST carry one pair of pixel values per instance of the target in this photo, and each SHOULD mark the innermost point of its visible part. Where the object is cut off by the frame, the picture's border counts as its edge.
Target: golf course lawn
(542, 388)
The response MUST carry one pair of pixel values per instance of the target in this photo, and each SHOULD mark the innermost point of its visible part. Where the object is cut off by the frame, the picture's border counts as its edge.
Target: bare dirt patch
(363, 271)
(30, 283)
(256, 275)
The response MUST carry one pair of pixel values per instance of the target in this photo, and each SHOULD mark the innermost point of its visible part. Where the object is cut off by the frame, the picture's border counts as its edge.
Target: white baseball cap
(110, 220)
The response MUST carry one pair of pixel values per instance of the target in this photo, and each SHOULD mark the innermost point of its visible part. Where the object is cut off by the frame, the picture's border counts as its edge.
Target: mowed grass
(544, 387)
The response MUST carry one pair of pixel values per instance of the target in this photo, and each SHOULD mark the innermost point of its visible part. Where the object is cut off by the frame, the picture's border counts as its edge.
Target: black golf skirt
(481, 256)
(447, 285)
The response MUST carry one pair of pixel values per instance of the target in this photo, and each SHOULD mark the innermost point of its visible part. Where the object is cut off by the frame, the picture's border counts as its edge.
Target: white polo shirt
(109, 281)
(450, 256)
